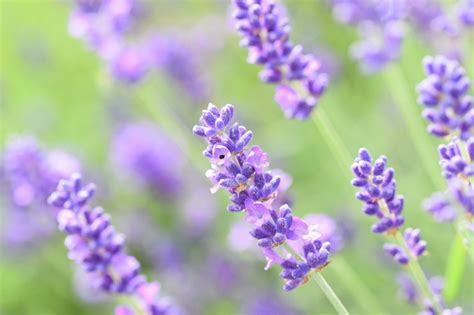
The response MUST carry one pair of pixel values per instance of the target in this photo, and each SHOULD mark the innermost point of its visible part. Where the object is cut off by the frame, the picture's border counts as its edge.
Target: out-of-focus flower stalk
(397, 83)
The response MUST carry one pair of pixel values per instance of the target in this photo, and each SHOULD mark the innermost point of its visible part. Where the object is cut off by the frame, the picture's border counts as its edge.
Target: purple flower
(398, 253)
(146, 152)
(408, 289)
(381, 28)
(174, 58)
(130, 64)
(327, 227)
(316, 256)
(410, 292)
(94, 244)
(241, 169)
(440, 207)
(414, 243)
(269, 303)
(265, 31)
(453, 163)
(377, 189)
(466, 13)
(29, 174)
(379, 45)
(457, 163)
(449, 110)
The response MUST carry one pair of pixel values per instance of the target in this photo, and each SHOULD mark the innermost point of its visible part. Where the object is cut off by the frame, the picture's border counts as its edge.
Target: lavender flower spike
(94, 244)
(377, 189)
(241, 169)
(449, 110)
(265, 32)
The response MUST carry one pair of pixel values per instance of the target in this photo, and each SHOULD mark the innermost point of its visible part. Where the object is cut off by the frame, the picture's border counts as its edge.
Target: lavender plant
(449, 110)
(94, 244)
(265, 31)
(377, 190)
(450, 113)
(285, 239)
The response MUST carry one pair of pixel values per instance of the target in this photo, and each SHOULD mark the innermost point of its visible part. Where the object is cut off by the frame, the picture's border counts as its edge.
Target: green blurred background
(55, 89)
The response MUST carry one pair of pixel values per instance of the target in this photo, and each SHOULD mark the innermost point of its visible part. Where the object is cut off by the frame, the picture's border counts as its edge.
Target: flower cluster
(449, 110)
(146, 152)
(94, 244)
(453, 162)
(105, 24)
(382, 24)
(265, 32)
(378, 192)
(242, 170)
(381, 28)
(377, 189)
(28, 175)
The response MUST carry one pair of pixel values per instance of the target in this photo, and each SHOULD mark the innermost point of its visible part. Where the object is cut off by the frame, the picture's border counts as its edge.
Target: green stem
(354, 283)
(395, 79)
(419, 275)
(454, 268)
(328, 291)
(330, 135)
(323, 284)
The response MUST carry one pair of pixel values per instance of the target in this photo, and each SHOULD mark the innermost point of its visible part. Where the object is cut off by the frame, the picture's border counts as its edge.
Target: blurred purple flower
(29, 174)
(144, 151)
(466, 12)
(269, 304)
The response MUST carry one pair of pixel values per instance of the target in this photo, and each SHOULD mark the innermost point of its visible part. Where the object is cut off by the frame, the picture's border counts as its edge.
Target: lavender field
(248, 157)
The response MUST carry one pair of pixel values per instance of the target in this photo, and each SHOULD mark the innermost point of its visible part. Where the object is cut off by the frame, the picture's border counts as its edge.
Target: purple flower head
(378, 45)
(94, 244)
(281, 225)
(173, 57)
(130, 64)
(466, 12)
(327, 227)
(440, 208)
(146, 152)
(414, 243)
(453, 162)
(449, 110)
(265, 31)
(29, 174)
(398, 253)
(241, 169)
(381, 29)
(316, 255)
(377, 189)
(463, 195)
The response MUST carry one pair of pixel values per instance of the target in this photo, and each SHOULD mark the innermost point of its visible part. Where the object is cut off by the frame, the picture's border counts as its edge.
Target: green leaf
(454, 269)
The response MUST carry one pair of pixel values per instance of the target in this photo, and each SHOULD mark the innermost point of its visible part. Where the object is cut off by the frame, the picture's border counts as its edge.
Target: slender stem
(330, 135)
(328, 291)
(354, 283)
(395, 79)
(419, 275)
(323, 284)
